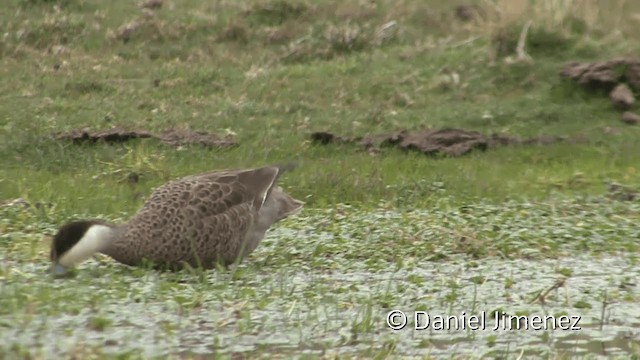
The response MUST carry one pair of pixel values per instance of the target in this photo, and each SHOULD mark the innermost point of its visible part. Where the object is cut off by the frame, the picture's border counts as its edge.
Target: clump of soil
(622, 97)
(619, 77)
(605, 74)
(176, 137)
(630, 118)
(468, 13)
(448, 141)
(464, 13)
(172, 137)
(151, 4)
(621, 193)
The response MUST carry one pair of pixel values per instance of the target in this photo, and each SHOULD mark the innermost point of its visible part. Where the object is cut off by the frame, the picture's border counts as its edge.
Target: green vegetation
(394, 230)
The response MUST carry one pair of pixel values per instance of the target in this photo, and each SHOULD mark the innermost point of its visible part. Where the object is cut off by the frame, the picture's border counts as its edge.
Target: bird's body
(202, 220)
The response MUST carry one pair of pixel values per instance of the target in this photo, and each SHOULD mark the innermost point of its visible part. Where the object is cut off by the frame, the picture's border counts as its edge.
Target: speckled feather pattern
(204, 219)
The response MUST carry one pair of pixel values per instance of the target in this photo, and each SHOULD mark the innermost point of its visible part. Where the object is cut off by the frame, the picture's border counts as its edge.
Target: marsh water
(271, 307)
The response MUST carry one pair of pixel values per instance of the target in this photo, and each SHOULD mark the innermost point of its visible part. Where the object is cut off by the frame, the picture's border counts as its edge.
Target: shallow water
(323, 298)
(324, 322)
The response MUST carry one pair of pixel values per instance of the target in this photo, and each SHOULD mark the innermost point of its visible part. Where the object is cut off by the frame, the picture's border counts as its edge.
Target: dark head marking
(69, 235)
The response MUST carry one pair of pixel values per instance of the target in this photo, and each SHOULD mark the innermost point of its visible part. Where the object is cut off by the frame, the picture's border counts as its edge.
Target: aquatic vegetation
(323, 283)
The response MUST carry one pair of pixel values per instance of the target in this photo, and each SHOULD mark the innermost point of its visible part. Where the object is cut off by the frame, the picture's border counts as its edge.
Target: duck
(204, 220)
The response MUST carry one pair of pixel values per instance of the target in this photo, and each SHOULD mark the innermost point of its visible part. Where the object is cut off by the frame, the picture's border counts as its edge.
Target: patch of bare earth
(172, 137)
(450, 142)
(619, 77)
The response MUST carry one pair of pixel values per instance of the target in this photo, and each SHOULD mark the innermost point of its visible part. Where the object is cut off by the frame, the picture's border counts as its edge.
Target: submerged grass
(488, 231)
(322, 284)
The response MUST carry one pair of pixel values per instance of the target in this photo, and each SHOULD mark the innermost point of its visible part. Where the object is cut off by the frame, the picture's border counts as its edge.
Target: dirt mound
(175, 137)
(622, 97)
(620, 192)
(630, 118)
(619, 77)
(605, 74)
(172, 137)
(448, 141)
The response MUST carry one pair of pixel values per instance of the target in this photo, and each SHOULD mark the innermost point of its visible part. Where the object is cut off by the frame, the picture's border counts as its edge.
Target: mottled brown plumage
(200, 220)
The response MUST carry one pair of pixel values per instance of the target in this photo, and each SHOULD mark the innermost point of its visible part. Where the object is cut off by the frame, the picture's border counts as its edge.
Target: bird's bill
(58, 270)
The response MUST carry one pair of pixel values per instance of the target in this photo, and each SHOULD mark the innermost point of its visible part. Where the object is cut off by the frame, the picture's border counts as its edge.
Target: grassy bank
(268, 74)
(227, 68)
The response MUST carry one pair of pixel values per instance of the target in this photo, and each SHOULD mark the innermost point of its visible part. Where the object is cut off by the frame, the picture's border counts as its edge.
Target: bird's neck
(96, 239)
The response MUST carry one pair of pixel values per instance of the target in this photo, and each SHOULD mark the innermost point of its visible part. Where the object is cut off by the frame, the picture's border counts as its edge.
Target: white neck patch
(95, 239)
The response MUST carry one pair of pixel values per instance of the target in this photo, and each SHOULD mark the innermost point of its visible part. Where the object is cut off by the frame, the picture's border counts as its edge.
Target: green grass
(272, 72)
(272, 105)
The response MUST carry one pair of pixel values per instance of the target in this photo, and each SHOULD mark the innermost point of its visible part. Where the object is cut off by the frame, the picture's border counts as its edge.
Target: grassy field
(485, 232)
